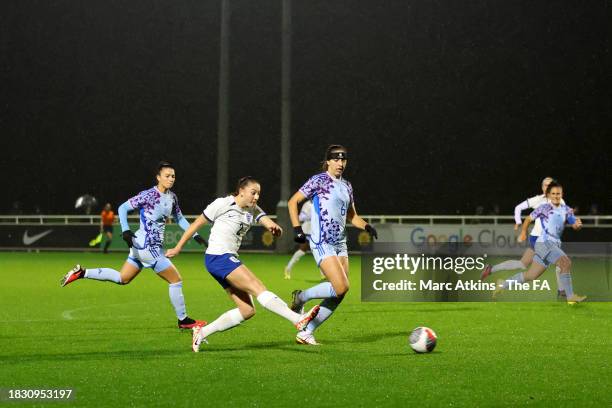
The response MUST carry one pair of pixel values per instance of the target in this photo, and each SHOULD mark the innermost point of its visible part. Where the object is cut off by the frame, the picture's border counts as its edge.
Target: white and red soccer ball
(422, 340)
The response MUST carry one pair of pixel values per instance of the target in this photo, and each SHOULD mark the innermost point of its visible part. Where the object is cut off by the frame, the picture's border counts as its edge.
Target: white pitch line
(67, 314)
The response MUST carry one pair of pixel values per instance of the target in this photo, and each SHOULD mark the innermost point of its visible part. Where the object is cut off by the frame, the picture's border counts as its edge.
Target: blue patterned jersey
(155, 208)
(331, 199)
(552, 220)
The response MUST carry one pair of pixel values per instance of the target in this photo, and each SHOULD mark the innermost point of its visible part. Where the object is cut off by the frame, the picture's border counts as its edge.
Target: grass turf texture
(119, 345)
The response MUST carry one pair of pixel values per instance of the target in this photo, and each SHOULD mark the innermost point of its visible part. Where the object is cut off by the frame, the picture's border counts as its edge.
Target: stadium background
(445, 106)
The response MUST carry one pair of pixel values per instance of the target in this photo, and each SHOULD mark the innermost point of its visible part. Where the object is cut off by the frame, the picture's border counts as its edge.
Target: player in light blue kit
(552, 218)
(155, 205)
(333, 205)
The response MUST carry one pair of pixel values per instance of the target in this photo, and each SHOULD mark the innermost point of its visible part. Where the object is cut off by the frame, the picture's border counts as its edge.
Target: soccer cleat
(296, 304)
(486, 272)
(189, 323)
(287, 273)
(75, 273)
(572, 300)
(197, 338)
(499, 288)
(306, 338)
(306, 318)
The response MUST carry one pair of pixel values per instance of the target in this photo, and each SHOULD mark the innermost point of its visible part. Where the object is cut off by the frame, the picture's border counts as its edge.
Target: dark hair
(164, 164)
(553, 183)
(330, 149)
(243, 182)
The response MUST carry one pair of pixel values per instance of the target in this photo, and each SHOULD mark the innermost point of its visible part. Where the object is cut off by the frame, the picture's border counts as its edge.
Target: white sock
(566, 284)
(103, 274)
(295, 258)
(274, 304)
(518, 277)
(178, 301)
(508, 266)
(558, 273)
(327, 307)
(227, 320)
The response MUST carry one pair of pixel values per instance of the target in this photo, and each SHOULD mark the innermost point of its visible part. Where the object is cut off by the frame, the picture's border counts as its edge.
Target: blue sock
(327, 307)
(323, 290)
(566, 283)
(177, 299)
(516, 277)
(103, 274)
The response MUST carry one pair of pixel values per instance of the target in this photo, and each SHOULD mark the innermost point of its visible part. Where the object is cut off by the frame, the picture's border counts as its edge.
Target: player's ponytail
(332, 149)
(243, 182)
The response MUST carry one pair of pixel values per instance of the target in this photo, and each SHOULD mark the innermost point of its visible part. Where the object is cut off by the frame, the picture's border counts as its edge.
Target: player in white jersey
(304, 218)
(333, 205)
(155, 205)
(232, 217)
(552, 217)
(527, 258)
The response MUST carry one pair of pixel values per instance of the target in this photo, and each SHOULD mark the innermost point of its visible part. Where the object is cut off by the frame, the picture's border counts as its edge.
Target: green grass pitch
(119, 345)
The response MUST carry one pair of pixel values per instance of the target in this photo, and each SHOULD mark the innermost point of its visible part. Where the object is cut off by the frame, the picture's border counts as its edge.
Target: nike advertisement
(47, 236)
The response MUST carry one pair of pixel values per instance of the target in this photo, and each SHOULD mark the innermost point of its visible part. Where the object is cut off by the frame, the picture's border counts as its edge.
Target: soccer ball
(422, 340)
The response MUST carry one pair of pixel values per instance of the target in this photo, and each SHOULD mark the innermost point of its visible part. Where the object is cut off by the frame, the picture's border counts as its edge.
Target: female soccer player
(527, 258)
(107, 218)
(304, 217)
(232, 217)
(333, 205)
(146, 246)
(552, 217)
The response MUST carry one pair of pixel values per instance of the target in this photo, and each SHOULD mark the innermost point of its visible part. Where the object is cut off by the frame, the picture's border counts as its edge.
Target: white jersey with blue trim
(331, 199)
(155, 208)
(305, 217)
(230, 224)
(552, 221)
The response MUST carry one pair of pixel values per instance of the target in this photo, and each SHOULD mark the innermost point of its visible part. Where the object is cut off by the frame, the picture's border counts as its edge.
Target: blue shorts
(532, 241)
(547, 253)
(324, 250)
(219, 266)
(149, 258)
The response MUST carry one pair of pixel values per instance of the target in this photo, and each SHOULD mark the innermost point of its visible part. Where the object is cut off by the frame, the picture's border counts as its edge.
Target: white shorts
(324, 250)
(149, 258)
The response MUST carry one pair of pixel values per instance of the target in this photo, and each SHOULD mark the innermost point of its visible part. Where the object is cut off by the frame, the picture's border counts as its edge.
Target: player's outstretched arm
(271, 226)
(517, 213)
(359, 222)
(193, 228)
(292, 205)
(523, 236)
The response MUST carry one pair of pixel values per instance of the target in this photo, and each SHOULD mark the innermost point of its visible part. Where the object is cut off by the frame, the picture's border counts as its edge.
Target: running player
(333, 205)
(107, 219)
(512, 264)
(232, 217)
(304, 217)
(155, 205)
(552, 218)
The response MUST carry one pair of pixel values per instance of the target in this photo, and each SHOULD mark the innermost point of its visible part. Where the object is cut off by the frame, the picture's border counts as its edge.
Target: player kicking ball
(552, 217)
(232, 217)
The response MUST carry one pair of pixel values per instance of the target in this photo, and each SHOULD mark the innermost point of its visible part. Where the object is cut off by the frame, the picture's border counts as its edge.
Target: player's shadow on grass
(276, 345)
(368, 338)
(93, 355)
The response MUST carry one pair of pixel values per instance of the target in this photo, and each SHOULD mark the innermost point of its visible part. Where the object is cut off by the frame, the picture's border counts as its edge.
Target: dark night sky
(444, 105)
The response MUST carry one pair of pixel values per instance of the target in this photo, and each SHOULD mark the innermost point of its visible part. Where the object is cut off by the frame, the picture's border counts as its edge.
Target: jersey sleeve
(211, 212)
(311, 187)
(176, 209)
(532, 201)
(257, 214)
(519, 209)
(570, 218)
(139, 200)
(540, 211)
